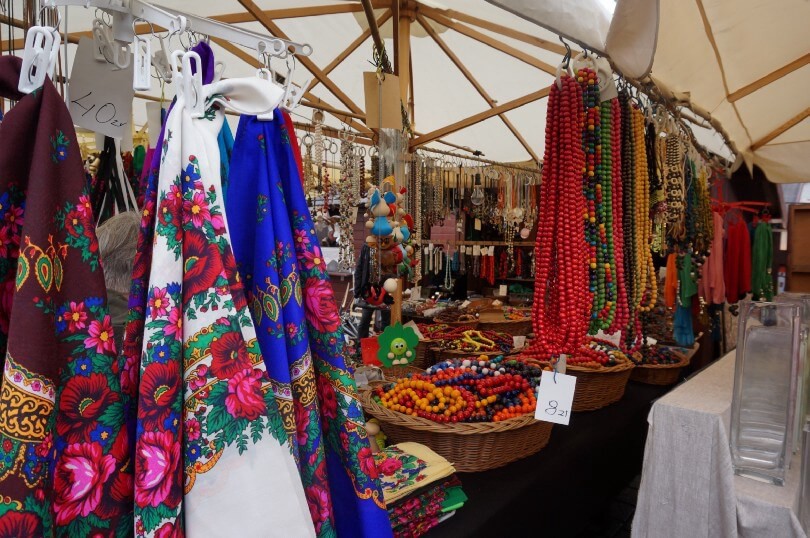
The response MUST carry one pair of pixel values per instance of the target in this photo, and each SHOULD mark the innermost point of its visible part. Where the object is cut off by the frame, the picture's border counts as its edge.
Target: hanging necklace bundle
(347, 191)
(417, 235)
(657, 194)
(560, 308)
(647, 283)
(597, 189)
(674, 185)
(622, 310)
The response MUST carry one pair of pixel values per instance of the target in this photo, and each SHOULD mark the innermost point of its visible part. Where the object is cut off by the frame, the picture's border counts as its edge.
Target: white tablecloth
(688, 487)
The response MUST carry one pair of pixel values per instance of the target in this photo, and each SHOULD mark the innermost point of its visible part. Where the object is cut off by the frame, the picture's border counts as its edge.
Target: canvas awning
(744, 62)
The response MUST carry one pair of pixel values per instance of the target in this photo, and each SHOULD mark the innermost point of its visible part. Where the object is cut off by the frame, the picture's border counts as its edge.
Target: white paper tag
(464, 305)
(469, 250)
(614, 338)
(502, 290)
(100, 93)
(555, 398)
(477, 224)
(476, 250)
(518, 342)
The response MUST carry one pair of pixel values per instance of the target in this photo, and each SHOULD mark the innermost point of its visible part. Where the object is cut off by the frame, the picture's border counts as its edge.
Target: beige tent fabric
(718, 51)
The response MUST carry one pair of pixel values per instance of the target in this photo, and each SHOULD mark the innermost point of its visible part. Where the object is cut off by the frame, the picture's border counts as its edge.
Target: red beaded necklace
(561, 303)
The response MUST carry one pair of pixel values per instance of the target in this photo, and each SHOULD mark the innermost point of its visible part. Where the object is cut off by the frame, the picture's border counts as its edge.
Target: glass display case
(769, 367)
(803, 390)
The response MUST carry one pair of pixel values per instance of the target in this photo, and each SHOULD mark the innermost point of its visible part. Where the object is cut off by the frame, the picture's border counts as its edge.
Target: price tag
(477, 224)
(503, 290)
(555, 398)
(518, 342)
(476, 250)
(469, 250)
(100, 94)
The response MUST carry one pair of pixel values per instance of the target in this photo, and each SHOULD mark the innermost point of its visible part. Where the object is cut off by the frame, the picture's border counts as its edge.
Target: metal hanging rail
(126, 12)
(479, 159)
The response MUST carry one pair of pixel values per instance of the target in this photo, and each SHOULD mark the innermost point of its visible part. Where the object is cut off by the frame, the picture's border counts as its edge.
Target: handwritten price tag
(100, 94)
(555, 398)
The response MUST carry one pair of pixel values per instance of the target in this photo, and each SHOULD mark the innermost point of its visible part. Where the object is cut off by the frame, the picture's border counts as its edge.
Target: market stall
(351, 268)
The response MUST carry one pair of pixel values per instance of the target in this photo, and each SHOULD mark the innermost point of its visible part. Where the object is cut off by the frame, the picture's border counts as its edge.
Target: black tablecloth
(559, 490)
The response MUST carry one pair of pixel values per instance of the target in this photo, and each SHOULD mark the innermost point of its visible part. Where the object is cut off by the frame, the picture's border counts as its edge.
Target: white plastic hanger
(192, 85)
(40, 56)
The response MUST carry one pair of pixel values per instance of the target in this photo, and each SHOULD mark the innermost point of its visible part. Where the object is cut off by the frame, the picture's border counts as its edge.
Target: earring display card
(100, 94)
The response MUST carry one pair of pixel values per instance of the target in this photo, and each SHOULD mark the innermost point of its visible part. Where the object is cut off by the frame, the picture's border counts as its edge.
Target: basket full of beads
(509, 320)
(658, 365)
(457, 318)
(460, 342)
(477, 413)
(602, 371)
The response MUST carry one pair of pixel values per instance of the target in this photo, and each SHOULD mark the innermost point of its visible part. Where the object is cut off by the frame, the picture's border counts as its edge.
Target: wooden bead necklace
(561, 306)
(465, 390)
(622, 311)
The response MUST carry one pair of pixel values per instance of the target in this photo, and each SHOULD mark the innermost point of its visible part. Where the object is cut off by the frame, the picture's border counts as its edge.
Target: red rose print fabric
(65, 467)
(211, 451)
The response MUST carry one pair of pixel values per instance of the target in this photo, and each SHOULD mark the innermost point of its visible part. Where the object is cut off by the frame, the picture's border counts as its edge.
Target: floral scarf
(65, 464)
(211, 451)
(298, 328)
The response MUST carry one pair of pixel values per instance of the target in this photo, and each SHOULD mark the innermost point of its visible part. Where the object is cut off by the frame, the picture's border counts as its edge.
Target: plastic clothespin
(160, 59)
(39, 58)
(141, 73)
(293, 94)
(192, 85)
(265, 74)
(121, 55)
(102, 41)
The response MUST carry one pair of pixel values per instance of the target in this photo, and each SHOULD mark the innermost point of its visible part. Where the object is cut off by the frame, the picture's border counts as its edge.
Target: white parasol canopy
(746, 63)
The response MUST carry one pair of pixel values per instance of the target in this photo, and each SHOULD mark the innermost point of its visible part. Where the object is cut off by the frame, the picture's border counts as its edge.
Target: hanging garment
(285, 276)
(762, 262)
(671, 281)
(138, 158)
(683, 329)
(225, 142)
(65, 464)
(712, 284)
(737, 262)
(211, 453)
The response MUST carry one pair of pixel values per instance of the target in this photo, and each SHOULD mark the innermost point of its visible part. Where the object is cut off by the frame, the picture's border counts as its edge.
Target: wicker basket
(392, 373)
(660, 374)
(424, 354)
(469, 447)
(470, 324)
(493, 320)
(450, 354)
(599, 388)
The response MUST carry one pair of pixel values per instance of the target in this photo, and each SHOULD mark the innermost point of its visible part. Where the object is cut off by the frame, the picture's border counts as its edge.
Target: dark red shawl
(63, 447)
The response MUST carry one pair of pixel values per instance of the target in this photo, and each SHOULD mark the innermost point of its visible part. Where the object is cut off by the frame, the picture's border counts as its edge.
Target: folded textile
(406, 467)
(420, 512)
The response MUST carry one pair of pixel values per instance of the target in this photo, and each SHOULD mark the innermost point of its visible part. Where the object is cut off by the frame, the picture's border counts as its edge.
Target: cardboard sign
(555, 398)
(382, 95)
(100, 94)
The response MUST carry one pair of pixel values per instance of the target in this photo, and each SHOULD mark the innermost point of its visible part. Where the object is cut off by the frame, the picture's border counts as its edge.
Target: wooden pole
(404, 53)
(396, 308)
